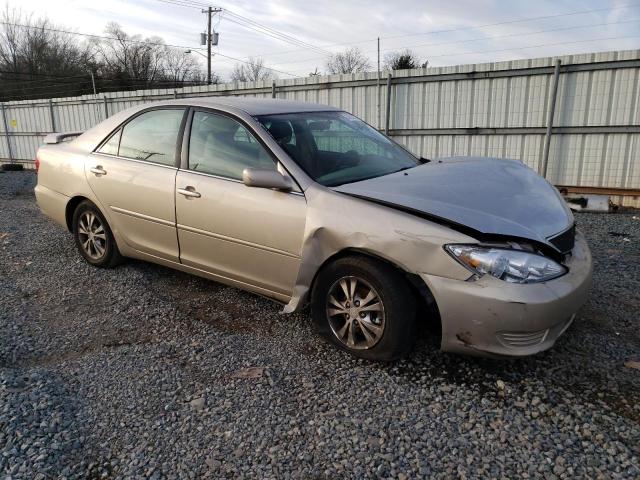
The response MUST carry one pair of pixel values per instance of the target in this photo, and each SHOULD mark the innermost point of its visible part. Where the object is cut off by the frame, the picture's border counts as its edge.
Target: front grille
(564, 242)
(522, 339)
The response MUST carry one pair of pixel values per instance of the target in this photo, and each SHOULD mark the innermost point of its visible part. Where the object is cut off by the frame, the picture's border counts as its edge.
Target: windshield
(335, 148)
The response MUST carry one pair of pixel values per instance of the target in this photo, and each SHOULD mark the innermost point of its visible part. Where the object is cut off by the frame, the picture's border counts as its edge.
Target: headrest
(281, 131)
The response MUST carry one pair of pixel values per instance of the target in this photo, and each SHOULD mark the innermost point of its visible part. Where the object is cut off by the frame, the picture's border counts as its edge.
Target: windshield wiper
(401, 169)
(362, 179)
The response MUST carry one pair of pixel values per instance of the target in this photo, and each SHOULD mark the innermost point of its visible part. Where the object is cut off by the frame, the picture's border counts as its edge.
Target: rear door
(249, 235)
(133, 176)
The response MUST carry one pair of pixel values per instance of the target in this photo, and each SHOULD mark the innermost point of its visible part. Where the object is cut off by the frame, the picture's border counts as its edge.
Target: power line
(259, 27)
(264, 32)
(447, 55)
(514, 21)
(472, 27)
(104, 37)
(179, 3)
(251, 24)
(268, 68)
(188, 3)
(248, 23)
(510, 35)
(129, 40)
(521, 20)
(507, 35)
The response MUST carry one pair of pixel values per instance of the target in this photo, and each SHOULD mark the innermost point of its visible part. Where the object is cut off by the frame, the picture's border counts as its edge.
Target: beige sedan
(305, 203)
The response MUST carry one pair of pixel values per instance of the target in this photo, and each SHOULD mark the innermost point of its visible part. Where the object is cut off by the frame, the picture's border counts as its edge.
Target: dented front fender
(336, 222)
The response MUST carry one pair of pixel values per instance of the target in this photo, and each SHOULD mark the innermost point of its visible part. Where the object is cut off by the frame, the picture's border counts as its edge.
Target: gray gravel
(142, 372)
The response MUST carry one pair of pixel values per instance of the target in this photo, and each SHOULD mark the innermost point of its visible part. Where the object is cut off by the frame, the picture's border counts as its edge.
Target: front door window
(221, 146)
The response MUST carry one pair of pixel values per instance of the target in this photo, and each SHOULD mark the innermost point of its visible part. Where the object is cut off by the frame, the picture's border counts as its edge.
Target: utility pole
(95, 97)
(210, 11)
(93, 82)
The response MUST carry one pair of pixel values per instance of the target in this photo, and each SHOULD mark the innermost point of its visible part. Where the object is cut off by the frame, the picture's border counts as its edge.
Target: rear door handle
(98, 170)
(189, 192)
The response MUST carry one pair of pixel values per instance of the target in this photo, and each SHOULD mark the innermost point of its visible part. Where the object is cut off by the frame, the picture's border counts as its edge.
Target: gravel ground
(141, 371)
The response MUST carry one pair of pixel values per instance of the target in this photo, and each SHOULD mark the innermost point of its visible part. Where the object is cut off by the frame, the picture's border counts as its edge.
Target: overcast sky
(334, 25)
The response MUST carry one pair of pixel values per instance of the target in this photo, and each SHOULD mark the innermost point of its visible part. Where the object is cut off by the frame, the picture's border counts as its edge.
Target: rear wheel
(365, 307)
(93, 236)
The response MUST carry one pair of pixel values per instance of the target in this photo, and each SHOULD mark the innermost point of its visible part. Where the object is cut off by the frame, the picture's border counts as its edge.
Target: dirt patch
(207, 302)
(76, 354)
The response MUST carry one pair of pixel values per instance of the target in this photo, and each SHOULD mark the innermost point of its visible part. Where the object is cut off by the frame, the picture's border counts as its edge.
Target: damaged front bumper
(493, 317)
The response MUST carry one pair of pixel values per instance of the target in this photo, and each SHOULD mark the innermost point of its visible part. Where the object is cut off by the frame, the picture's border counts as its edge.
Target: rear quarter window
(110, 147)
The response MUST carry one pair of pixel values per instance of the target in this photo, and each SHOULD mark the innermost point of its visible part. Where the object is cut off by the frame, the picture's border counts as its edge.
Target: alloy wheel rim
(355, 313)
(93, 238)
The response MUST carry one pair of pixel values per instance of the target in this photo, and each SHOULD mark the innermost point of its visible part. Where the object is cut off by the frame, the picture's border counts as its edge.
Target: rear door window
(152, 136)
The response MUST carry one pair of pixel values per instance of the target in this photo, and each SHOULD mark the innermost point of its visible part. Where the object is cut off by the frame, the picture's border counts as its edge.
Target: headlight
(513, 266)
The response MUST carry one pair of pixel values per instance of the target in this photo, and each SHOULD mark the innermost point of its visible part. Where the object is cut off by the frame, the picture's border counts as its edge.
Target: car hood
(489, 195)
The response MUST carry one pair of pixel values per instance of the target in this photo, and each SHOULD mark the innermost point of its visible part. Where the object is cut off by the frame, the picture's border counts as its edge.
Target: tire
(100, 250)
(385, 328)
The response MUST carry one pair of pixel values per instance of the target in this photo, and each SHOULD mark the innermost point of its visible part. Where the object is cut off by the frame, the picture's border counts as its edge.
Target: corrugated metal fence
(492, 109)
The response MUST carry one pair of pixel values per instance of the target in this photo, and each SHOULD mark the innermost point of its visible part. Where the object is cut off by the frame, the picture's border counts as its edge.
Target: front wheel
(93, 236)
(365, 307)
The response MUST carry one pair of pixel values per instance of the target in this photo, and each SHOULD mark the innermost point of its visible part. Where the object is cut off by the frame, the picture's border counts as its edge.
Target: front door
(133, 177)
(246, 234)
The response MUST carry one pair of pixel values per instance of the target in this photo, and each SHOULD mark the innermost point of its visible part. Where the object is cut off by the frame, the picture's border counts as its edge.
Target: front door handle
(98, 170)
(188, 192)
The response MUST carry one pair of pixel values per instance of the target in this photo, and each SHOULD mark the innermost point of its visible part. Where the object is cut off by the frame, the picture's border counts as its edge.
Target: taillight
(37, 164)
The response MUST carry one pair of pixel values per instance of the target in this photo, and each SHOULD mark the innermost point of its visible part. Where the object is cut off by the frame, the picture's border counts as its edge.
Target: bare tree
(404, 60)
(133, 62)
(38, 60)
(251, 71)
(34, 58)
(130, 57)
(180, 67)
(352, 60)
(10, 38)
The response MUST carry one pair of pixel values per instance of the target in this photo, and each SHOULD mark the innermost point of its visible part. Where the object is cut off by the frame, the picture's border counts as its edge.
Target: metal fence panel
(434, 112)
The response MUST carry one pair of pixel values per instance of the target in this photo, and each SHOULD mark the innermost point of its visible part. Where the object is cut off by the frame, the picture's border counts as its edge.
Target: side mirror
(266, 178)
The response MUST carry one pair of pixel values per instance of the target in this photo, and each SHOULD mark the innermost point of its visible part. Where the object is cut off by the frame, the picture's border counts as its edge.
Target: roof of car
(259, 106)
(249, 105)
